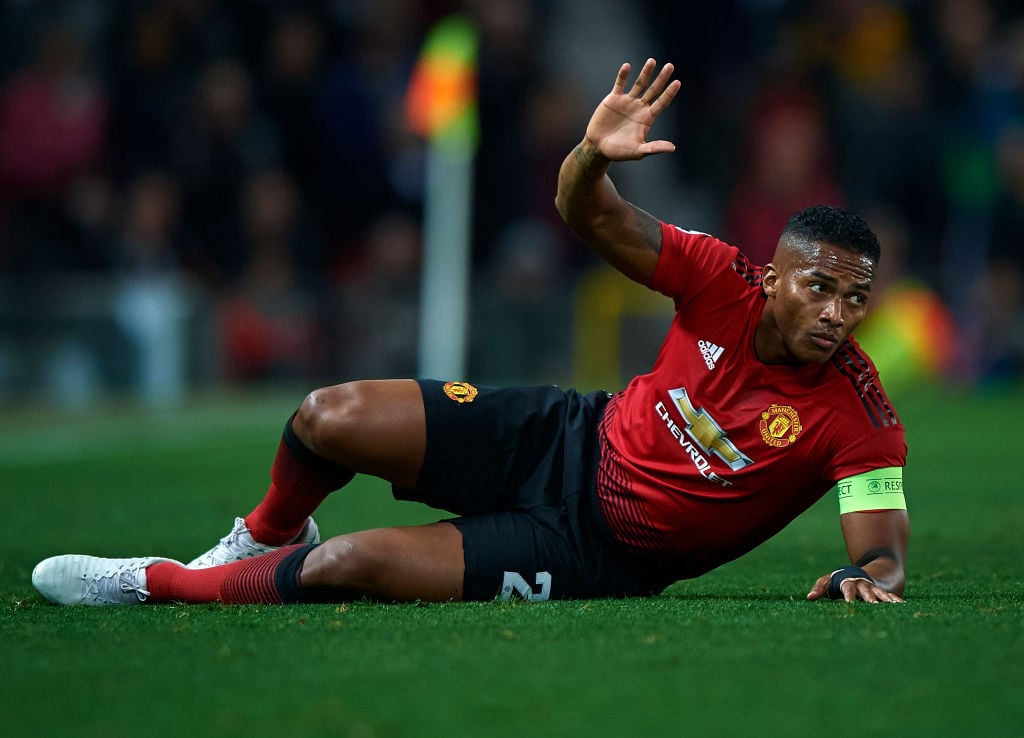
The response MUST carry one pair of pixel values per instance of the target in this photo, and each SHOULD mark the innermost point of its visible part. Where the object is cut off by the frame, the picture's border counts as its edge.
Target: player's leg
(423, 562)
(372, 427)
(390, 564)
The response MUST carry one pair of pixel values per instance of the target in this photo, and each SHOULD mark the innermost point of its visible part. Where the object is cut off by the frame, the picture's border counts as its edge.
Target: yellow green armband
(881, 489)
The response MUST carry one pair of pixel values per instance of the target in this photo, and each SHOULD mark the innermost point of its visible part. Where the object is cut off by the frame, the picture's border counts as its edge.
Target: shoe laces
(129, 584)
(232, 541)
(115, 585)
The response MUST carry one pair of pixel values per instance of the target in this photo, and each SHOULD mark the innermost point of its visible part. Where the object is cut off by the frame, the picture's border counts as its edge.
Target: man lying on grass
(759, 402)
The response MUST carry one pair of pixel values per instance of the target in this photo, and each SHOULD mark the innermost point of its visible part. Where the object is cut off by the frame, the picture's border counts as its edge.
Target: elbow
(561, 206)
(576, 213)
(582, 222)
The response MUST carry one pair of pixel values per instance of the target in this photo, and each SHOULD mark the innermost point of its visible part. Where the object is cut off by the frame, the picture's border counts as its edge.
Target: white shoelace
(129, 584)
(102, 587)
(234, 546)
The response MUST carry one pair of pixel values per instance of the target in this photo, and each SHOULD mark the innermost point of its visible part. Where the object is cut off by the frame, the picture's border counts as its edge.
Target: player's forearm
(623, 234)
(586, 198)
(877, 541)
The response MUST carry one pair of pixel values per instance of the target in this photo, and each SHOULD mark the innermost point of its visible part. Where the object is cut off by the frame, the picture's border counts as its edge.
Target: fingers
(862, 589)
(820, 589)
(657, 93)
(662, 100)
(620, 79)
(640, 86)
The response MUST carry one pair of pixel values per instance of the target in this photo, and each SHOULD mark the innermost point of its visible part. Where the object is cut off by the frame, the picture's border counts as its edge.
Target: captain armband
(881, 489)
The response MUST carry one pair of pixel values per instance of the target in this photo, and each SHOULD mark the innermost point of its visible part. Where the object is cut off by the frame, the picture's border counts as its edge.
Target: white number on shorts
(514, 582)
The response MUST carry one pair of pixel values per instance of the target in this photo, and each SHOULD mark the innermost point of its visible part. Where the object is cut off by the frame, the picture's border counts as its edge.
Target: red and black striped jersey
(713, 452)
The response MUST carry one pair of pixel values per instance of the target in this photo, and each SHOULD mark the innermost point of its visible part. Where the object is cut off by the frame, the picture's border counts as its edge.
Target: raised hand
(619, 126)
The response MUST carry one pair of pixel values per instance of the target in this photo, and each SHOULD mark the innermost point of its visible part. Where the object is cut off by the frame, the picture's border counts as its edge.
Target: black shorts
(518, 465)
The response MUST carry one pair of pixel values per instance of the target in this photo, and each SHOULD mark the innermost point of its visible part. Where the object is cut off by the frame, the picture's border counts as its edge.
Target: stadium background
(195, 195)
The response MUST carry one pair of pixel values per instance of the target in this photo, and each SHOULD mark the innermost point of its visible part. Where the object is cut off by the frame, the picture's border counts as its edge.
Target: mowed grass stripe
(53, 438)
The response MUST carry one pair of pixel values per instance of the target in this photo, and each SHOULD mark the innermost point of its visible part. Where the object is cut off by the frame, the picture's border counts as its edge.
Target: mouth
(825, 341)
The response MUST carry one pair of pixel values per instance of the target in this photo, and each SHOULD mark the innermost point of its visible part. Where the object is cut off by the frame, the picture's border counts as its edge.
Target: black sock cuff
(286, 576)
(333, 474)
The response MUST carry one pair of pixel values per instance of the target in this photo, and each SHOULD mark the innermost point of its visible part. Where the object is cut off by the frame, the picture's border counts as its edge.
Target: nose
(832, 312)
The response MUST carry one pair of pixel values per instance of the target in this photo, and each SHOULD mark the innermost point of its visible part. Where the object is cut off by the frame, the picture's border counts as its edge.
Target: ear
(770, 280)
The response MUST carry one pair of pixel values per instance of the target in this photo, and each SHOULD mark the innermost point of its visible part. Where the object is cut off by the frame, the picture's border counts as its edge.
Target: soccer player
(759, 402)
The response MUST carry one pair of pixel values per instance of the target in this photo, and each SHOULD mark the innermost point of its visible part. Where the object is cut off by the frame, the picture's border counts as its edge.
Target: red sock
(250, 581)
(299, 482)
(169, 582)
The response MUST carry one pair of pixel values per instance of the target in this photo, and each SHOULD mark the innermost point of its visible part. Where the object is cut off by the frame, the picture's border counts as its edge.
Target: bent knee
(328, 415)
(373, 427)
(339, 563)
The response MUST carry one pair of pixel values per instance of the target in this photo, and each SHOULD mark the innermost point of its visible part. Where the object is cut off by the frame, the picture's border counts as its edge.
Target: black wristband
(840, 575)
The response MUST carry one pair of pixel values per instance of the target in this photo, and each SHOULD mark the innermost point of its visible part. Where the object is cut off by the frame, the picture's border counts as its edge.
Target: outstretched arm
(877, 543)
(625, 235)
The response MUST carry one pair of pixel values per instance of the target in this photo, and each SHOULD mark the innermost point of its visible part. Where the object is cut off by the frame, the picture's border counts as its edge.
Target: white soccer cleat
(76, 579)
(239, 544)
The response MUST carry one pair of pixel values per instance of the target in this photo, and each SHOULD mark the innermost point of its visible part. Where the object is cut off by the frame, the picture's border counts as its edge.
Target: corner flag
(440, 105)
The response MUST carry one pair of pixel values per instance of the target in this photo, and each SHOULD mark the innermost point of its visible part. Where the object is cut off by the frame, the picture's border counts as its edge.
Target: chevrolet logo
(708, 434)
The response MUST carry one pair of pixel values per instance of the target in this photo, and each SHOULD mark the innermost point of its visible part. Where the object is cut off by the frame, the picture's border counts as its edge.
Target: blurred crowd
(911, 113)
(236, 179)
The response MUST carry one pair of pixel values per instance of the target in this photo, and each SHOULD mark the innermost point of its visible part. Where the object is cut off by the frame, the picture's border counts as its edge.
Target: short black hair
(832, 225)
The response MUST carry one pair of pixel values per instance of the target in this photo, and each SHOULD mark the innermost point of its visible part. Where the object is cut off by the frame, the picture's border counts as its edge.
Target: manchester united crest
(460, 391)
(780, 425)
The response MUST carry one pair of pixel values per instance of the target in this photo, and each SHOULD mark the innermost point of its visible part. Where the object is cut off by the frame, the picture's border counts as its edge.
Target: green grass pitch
(738, 652)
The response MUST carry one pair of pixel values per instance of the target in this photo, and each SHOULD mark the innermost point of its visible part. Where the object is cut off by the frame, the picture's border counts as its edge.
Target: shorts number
(514, 582)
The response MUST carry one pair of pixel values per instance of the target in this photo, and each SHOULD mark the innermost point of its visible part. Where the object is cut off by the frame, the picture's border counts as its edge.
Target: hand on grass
(854, 589)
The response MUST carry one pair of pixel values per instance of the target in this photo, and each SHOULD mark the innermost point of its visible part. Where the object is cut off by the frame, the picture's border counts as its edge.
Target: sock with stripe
(299, 482)
(272, 579)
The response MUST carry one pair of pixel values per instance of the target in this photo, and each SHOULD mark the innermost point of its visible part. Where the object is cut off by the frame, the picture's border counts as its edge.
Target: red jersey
(713, 452)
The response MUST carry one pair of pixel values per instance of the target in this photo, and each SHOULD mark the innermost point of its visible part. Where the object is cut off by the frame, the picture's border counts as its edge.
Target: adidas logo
(711, 352)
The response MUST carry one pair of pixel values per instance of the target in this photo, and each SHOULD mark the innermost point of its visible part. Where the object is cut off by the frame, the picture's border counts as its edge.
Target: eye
(817, 287)
(859, 299)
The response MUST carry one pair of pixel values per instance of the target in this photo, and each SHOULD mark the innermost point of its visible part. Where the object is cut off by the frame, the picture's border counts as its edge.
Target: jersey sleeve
(877, 450)
(687, 260)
